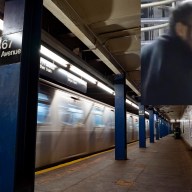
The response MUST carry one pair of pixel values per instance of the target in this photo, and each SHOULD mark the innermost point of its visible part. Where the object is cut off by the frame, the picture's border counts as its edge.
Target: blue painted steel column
(160, 127)
(142, 132)
(157, 126)
(19, 67)
(170, 128)
(168, 131)
(151, 125)
(120, 118)
(165, 127)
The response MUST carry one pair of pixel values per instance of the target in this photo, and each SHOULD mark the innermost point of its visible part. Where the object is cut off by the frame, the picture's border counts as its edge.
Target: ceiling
(109, 29)
(105, 36)
(173, 112)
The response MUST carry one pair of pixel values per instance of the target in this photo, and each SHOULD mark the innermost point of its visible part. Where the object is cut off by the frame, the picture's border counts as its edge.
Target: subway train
(70, 125)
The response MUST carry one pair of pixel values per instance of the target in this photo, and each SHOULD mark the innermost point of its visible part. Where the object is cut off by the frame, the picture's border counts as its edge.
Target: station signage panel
(60, 75)
(141, 112)
(11, 48)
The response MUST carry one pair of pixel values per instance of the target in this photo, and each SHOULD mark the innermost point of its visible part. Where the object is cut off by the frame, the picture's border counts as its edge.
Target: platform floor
(165, 166)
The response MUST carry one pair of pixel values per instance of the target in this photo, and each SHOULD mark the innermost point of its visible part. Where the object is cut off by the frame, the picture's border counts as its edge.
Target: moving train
(70, 125)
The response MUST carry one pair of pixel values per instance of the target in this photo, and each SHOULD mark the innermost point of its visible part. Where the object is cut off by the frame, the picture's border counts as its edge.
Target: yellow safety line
(69, 163)
(73, 162)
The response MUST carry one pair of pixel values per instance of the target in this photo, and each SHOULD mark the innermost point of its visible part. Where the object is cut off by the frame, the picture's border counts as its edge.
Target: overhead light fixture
(104, 87)
(83, 74)
(134, 105)
(1, 25)
(53, 56)
(128, 101)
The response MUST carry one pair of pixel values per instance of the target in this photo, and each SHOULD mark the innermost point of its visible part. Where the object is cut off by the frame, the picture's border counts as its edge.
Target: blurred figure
(177, 133)
(166, 63)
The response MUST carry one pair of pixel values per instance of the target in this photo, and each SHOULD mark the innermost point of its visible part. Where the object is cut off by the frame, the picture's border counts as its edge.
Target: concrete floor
(165, 166)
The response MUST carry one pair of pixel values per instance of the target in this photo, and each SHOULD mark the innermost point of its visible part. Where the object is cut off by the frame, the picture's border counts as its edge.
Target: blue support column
(151, 125)
(170, 128)
(160, 127)
(120, 118)
(157, 126)
(19, 68)
(163, 128)
(142, 132)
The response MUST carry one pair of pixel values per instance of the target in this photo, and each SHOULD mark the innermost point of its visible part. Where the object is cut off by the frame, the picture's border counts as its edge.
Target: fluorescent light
(128, 101)
(53, 56)
(104, 87)
(72, 77)
(134, 105)
(1, 25)
(82, 74)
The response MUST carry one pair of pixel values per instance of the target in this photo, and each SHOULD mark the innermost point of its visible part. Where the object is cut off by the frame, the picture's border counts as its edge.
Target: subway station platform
(165, 166)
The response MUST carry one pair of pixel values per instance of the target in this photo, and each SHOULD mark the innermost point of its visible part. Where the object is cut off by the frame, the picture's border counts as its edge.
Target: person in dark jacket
(166, 63)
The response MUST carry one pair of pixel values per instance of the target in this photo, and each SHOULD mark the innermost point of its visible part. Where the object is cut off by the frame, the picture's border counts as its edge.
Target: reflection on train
(70, 125)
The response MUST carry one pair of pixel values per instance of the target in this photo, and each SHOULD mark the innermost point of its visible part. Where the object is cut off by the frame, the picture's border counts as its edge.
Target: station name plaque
(11, 48)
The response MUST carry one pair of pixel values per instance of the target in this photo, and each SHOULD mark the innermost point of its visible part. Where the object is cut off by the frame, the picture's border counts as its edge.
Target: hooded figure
(166, 63)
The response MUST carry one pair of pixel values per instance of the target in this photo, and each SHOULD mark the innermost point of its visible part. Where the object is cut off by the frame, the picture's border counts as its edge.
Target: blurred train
(70, 125)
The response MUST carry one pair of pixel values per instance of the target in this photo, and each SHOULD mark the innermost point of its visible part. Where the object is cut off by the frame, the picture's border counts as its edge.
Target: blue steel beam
(151, 125)
(157, 126)
(19, 68)
(142, 132)
(120, 118)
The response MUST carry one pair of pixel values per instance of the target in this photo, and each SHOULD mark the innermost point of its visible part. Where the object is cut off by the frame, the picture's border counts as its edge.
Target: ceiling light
(104, 87)
(53, 56)
(1, 25)
(128, 101)
(134, 105)
(83, 74)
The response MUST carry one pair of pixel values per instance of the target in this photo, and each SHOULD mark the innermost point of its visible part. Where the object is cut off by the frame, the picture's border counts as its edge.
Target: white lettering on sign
(141, 112)
(6, 44)
(47, 66)
(72, 81)
(9, 53)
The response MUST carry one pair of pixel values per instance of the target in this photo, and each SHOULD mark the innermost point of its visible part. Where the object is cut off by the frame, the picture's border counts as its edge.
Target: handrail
(146, 5)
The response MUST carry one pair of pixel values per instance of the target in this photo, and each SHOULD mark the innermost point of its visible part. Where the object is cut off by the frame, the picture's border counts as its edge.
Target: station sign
(11, 48)
(62, 76)
(141, 112)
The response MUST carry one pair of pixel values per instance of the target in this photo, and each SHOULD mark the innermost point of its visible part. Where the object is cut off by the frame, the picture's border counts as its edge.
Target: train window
(42, 97)
(71, 115)
(98, 117)
(137, 124)
(43, 115)
(130, 122)
(111, 123)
